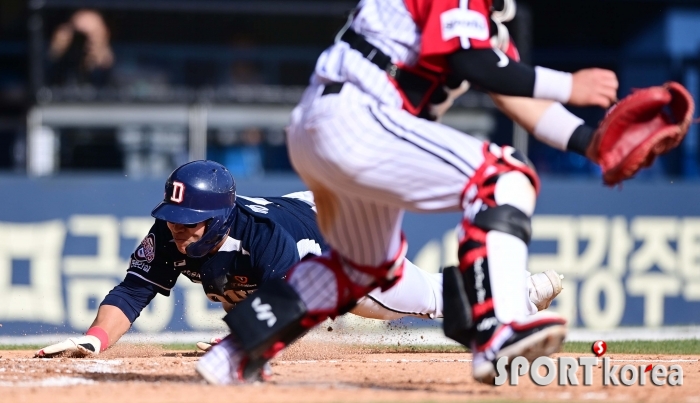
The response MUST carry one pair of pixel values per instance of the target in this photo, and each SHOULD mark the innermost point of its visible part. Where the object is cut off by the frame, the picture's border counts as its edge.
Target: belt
(417, 87)
(332, 88)
(369, 51)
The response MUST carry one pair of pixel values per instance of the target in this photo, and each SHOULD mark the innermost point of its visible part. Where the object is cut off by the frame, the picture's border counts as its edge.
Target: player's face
(184, 235)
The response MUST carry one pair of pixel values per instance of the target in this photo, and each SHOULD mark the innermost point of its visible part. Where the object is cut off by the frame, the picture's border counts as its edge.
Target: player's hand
(83, 345)
(594, 87)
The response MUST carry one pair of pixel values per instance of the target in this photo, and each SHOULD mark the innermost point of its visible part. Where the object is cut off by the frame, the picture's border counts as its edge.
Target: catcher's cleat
(206, 346)
(539, 335)
(647, 123)
(544, 287)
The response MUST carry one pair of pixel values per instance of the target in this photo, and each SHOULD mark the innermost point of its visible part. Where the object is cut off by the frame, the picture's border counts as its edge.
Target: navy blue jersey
(268, 236)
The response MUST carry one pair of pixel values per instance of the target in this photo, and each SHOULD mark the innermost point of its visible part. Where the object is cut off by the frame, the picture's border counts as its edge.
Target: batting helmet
(200, 191)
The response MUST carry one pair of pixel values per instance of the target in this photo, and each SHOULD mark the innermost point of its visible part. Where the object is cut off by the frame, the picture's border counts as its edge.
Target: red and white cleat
(539, 335)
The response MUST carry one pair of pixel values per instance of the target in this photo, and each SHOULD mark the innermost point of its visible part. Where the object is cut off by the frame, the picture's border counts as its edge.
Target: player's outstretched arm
(548, 121)
(618, 144)
(109, 325)
(117, 312)
(526, 112)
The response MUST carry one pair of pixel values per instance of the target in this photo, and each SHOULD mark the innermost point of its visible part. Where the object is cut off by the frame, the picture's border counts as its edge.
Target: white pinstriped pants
(368, 163)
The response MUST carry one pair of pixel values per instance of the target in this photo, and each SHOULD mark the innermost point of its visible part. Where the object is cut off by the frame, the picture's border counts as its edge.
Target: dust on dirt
(307, 372)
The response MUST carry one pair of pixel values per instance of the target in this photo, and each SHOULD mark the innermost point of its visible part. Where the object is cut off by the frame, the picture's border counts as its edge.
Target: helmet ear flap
(216, 229)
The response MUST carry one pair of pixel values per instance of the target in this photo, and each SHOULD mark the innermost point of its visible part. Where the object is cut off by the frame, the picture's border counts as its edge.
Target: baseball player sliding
(232, 245)
(365, 140)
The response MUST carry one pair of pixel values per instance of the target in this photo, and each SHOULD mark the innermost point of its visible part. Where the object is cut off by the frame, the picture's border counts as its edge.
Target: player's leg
(418, 293)
(490, 315)
(417, 164)
(319, 287)
(364, 163)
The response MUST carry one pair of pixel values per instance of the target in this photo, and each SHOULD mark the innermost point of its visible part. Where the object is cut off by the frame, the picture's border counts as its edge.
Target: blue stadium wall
(630, 255)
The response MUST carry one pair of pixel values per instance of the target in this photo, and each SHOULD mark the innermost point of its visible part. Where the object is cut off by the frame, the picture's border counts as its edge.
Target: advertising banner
(630, 255)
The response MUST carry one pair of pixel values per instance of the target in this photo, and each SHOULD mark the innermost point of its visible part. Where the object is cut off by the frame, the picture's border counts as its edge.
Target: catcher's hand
(647, 123)
(81, 346)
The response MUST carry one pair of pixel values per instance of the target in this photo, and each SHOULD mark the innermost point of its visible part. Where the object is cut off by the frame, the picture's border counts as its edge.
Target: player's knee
(515, 198)
(516, 189)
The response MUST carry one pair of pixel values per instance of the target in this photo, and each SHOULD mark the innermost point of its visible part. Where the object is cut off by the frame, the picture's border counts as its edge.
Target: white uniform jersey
(389, 26)
(412, 33)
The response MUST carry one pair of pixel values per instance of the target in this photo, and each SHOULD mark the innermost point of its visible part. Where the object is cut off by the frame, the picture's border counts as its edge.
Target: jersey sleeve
(131, 296)
(149, 262)
(449, 25)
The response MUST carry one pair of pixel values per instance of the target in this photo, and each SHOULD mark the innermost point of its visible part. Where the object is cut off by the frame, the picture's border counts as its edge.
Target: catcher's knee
(502, 202)
(515, 202)
(502, 193)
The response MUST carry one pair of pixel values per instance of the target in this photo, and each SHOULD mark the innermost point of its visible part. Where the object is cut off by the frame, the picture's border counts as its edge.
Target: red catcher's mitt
(640, 127)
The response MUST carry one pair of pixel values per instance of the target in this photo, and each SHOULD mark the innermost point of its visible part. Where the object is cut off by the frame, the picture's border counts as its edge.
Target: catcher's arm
(551, 123)
(589, 87)
(109, 325)
(524, 111)
(647, 123)
(548, 121)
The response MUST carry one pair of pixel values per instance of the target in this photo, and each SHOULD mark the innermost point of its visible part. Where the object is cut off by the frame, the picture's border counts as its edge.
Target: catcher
(361, 138)
(233, 244)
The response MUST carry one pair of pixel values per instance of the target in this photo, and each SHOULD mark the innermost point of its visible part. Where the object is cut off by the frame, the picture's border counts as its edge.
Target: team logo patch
(241, 279)
(464, 24)
(147, 249)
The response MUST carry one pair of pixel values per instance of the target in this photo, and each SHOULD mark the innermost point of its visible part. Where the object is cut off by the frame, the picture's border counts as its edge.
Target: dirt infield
(308, 372)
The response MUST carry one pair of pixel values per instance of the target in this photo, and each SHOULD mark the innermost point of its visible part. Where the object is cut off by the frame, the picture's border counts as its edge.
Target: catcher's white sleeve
(418, 293)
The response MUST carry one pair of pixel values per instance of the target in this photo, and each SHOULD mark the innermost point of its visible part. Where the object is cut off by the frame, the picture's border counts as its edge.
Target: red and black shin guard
(468, 300)
(317, 288)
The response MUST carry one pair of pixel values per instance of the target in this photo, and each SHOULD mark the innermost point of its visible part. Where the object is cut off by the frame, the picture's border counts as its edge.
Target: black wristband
(580, 139)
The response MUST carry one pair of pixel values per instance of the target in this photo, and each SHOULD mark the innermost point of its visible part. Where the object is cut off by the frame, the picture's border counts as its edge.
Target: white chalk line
(415, 336)
(460, 360)
(50, 382)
